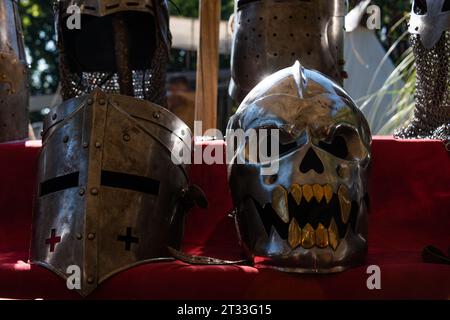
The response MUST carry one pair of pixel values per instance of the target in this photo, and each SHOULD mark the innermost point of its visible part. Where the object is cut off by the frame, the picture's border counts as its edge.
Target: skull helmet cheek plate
(311, 216)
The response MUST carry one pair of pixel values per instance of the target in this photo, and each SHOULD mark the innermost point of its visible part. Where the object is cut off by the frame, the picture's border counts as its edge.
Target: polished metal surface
(311, 216)
(14, 92)
(270, 35)
(109, 196)
(430, 41)
(122, 47)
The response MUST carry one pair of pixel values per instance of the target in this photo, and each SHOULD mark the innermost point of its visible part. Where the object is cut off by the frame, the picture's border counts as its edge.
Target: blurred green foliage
(40, 42)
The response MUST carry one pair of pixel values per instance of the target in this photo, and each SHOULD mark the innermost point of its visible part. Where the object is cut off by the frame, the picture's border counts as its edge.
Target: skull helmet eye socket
(344, 143)
(267, 136)
(420, 7)
(446, 6)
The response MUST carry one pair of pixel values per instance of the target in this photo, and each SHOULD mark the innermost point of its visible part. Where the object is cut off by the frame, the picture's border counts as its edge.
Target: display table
(410, 208)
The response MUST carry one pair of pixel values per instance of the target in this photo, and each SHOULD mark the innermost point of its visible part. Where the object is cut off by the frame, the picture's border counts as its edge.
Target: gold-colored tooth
(308, 192)
(280, 203)
(308, 236)
(345, 203)
(296, 192)
(333, 234)
(318, 192)
(328, 191)
(295, 234)
(321, 236)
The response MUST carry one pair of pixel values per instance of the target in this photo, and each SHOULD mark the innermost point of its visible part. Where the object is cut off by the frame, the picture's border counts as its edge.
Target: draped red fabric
(410, 208)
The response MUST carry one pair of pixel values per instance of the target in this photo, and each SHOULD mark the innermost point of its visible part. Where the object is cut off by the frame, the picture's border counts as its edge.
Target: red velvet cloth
(410, 197)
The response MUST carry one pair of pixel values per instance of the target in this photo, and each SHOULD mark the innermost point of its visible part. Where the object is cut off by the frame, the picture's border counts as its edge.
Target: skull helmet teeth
(311, 216)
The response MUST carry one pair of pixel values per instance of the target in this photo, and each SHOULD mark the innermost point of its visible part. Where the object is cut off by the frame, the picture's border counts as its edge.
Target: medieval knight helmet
(310, 216)
(13, 75)
(109, 195)
(272, 34)
(430, 40)
(121, 46)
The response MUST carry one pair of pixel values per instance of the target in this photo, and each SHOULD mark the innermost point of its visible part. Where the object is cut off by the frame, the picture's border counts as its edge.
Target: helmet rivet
(94, 191)
(79, 236)
(91, 236)
(85, 144)
(98, 144)
(156, 114)
(126, 137)
(81, 191)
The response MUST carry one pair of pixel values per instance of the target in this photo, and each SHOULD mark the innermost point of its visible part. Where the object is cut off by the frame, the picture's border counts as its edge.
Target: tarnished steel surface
(14, 91)
(109, 196)
(270, 35)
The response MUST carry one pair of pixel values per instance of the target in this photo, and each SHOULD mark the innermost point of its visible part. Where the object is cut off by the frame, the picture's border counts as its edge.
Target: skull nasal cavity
(311, 162)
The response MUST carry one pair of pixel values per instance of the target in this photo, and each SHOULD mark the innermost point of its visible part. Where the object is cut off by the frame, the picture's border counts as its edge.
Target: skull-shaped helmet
(312, 215)
(430, 19)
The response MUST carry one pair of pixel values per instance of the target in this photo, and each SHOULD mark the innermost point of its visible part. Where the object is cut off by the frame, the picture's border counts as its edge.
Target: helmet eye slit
(59, 183)
(129, 182)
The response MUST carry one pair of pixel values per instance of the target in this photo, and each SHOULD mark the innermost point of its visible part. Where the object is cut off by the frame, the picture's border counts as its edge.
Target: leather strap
(432, 254)
(202, 260)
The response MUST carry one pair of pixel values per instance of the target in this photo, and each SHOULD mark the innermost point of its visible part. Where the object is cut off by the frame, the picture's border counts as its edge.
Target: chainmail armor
(432, 98)
(148, 84)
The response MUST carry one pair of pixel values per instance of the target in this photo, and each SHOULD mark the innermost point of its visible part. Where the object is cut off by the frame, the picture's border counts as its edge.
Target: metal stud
(98, 144)
(91, 236)
(94, 191)
(156, 114)
(81, 192)
(79, 236)
(126, 137)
